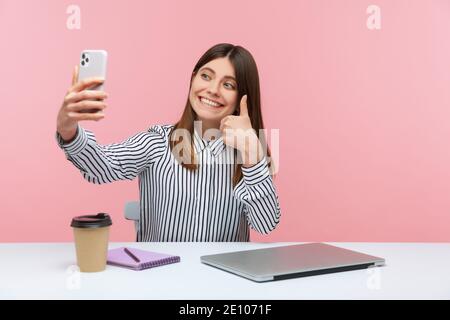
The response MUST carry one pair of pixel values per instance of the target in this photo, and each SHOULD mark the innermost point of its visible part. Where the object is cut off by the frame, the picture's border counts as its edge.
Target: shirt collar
(216, 146)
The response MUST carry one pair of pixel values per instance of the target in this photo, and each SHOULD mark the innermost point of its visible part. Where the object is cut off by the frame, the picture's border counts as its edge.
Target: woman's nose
(213, 88)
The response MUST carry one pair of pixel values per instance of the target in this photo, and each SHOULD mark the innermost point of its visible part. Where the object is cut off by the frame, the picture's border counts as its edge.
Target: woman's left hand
(237, 132)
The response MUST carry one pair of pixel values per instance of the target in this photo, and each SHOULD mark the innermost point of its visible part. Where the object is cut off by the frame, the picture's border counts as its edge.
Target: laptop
(292, 261)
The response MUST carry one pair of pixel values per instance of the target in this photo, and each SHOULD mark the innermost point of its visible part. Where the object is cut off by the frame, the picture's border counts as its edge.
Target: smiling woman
(224, 75)
(214, 198)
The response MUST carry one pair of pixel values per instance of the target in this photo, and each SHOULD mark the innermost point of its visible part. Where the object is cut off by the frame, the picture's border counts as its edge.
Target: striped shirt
(177, 204)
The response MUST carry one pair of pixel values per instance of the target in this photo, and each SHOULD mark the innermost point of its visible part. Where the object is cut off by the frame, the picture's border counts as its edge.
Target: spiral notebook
(137, 259)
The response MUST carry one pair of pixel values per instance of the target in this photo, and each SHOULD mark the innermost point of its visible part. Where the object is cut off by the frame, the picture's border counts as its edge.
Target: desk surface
(43, 271)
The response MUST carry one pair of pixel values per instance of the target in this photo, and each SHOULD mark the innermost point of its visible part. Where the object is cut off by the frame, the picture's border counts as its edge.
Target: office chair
(132, 212)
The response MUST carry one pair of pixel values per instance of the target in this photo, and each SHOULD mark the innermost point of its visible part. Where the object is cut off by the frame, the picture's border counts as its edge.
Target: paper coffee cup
(91, 233)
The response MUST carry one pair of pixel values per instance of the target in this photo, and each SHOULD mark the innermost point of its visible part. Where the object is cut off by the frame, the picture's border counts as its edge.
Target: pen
(128, 252)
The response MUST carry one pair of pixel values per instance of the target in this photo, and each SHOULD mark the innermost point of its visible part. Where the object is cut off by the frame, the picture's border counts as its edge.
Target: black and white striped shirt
(177, 204)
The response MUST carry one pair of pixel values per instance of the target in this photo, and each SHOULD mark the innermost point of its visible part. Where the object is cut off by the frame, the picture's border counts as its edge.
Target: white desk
(41, 270)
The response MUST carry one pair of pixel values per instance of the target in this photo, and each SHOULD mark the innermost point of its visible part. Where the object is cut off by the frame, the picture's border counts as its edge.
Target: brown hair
(247, 80)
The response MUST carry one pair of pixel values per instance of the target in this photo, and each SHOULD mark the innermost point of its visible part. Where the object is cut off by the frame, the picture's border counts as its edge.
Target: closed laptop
(301, 260)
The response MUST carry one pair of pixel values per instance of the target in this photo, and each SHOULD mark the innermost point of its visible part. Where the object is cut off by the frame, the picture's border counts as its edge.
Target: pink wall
(364, 115)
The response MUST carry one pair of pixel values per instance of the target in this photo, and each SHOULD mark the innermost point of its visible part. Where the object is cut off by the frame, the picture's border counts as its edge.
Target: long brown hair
(247, 80)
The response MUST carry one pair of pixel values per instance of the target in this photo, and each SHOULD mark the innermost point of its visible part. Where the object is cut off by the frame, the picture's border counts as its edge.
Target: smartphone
(93, 64)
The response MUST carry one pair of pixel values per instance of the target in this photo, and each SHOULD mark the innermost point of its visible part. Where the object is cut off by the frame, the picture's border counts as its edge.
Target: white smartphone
(93, 63)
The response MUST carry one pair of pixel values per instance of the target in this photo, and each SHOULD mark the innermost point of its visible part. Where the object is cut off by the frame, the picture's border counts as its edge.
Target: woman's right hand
(78, 104)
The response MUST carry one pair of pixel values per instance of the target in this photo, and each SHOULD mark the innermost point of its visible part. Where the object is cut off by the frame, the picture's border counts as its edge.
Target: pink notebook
(147, 259)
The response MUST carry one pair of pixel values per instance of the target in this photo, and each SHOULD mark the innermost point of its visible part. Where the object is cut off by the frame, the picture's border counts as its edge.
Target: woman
(206, 178)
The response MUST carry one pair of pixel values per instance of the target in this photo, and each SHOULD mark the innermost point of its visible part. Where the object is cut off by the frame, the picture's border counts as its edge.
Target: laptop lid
(301, 260)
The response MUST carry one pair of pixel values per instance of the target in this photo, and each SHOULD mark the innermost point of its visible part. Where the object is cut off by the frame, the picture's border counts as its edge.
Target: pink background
(363, 115)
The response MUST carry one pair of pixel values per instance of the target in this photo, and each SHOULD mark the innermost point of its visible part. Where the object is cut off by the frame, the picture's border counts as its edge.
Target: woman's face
(213, 92)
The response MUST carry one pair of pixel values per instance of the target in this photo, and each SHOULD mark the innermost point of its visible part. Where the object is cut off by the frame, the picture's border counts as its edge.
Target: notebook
(129, 257)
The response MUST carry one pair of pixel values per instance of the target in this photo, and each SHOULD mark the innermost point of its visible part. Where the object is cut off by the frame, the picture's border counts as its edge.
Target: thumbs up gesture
(237, 132)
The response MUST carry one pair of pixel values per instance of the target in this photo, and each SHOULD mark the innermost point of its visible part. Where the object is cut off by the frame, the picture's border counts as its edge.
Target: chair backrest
(132, 212)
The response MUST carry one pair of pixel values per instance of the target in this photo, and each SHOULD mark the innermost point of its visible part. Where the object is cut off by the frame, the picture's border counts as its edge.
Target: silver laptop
(301, 260)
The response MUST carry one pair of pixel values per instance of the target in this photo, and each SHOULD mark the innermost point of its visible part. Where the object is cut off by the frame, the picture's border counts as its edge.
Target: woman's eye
(206, 77)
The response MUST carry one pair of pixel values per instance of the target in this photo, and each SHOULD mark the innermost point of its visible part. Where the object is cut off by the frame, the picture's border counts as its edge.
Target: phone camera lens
(87, 59)
(82, 63)
(83, 56)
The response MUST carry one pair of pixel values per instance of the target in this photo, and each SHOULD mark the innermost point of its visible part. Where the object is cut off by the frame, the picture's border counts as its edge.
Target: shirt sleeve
(257, 191)
(101, 164)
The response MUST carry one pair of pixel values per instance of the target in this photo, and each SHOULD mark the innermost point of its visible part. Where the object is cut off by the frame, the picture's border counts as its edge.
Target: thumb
(243, 106)
(75, 75)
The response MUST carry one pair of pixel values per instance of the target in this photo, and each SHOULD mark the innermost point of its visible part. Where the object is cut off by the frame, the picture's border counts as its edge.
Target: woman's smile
(211, 104)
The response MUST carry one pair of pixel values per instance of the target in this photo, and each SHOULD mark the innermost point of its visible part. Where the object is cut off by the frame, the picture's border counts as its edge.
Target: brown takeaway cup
(91, 234)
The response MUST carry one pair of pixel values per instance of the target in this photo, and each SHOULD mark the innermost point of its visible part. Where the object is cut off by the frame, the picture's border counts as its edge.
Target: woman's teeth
(210, 103)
